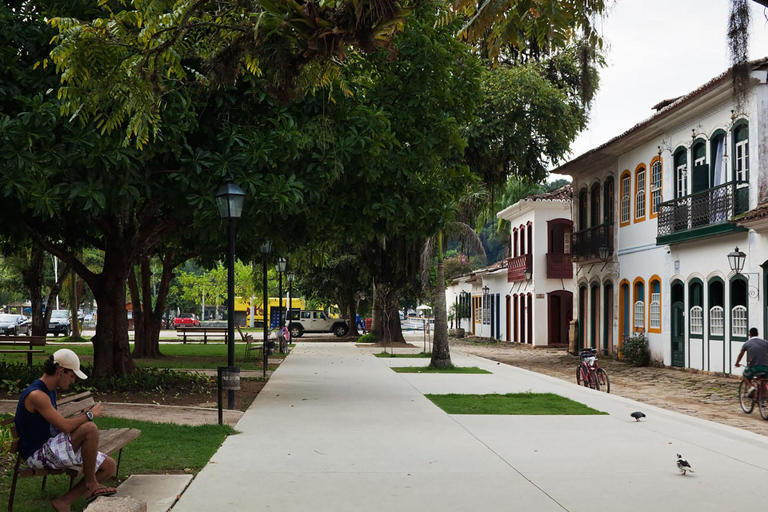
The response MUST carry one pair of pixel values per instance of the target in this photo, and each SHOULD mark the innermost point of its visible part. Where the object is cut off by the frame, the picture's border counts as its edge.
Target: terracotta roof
(490, 268)
(665, 111)
(562, 194)
(758, 212)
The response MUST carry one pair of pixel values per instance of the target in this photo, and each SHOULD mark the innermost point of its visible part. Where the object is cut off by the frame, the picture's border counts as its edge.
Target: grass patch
(419, 355)
(529, 404)
(429, 369)
(157, 450)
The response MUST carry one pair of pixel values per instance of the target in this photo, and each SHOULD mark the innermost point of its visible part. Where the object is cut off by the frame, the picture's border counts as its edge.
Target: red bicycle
(589, 373)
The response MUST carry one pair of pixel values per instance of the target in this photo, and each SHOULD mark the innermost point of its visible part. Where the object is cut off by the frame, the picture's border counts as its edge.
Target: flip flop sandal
(101, 491)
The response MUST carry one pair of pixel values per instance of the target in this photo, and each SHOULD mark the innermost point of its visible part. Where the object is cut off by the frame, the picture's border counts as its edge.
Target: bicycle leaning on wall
(589, 372)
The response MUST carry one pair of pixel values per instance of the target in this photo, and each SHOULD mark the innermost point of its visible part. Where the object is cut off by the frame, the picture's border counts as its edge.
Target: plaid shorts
(57, 453)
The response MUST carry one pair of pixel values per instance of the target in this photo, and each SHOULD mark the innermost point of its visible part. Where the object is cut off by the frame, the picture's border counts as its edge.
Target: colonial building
(657, 211)
(528, 297)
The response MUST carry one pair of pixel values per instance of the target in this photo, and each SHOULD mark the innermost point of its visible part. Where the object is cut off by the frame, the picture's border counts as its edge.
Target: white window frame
(741, 169)
(739, 321)
(655, 186)
(640, 195)
(682, 180)
(654, 321)
(639, 320)
(697, 320)
(625, 195)
(716, 321)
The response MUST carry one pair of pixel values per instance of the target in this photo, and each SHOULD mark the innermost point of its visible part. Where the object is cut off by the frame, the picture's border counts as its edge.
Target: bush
(17, 376)
(368, 338)
(635, 350)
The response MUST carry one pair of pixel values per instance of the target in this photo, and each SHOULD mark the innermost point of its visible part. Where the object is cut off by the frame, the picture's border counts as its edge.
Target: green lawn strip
(161, 448)
(419, 355)
(530, 404)
(427, 369)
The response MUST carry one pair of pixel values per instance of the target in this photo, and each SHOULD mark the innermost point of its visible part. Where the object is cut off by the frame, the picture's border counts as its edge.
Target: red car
(186, 320)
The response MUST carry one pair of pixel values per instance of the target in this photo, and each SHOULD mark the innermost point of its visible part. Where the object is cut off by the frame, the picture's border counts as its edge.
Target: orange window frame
(625, 174)
(639, 280)
(644, 169)
(651, 214)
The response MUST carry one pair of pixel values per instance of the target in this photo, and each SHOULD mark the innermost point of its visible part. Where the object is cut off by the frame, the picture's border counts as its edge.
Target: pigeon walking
(637, 415)
(683, 465)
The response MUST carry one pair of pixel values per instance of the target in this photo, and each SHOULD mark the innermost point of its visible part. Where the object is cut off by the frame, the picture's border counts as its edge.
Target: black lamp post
(280, 268)
(230, 199)
(266, 249)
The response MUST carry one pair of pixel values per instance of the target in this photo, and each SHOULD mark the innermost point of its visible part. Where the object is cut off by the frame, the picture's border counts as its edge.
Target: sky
(646, 38)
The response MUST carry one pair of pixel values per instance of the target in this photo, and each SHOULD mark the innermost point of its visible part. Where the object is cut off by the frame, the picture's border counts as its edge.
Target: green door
(678, 335)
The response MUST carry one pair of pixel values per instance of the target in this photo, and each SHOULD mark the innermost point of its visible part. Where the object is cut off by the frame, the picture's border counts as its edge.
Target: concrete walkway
(336, 430)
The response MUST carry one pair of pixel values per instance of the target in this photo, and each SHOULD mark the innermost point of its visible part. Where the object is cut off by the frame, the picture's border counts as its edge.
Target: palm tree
(441, 354)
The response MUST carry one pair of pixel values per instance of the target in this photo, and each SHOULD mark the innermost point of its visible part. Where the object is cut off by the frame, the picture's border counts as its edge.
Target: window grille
(655, 187)
(716, 325)
(697, 320)
(742, 161)
(655, 320)
(640, 195)
(639, 314)
(682, 183)
(739, 327)
(625, 199)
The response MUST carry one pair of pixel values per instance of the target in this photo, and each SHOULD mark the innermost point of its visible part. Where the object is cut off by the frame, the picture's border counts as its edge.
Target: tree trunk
(74, 305)
(441, 354)
(390, 330)
(147, 325)
(32, 277)
(353, 317)
(376, 312)
(111, 348)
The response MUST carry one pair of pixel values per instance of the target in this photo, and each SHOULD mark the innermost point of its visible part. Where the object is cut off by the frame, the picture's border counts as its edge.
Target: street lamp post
(291, 276)
(280, 268)
(266, 248)
(230, 199)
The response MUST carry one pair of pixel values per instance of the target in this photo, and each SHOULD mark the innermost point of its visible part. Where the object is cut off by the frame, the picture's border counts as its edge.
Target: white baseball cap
(69, 360)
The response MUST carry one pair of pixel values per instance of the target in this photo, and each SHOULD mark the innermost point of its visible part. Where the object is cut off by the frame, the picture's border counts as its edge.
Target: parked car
(13, 325)
(303, 321)
(60, 322)
(186, 320)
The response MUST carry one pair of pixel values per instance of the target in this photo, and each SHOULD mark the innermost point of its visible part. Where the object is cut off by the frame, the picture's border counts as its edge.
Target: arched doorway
(560, 308)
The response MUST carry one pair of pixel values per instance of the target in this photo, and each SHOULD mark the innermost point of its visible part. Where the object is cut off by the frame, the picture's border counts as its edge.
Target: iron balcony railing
(589, 241)
(517, 266)
(559, 266)
(716, 205)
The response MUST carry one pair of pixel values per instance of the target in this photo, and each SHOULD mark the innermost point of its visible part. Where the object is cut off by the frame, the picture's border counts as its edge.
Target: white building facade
(527, 298)
(656, 212)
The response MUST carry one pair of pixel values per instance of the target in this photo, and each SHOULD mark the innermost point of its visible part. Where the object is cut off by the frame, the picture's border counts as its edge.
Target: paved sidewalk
(336, 430)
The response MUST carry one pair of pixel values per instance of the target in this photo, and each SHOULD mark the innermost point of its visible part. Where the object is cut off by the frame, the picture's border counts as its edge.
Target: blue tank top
(34, 430)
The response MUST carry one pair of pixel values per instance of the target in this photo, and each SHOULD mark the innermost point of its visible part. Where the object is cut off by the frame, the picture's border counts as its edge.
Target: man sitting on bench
(47, 440)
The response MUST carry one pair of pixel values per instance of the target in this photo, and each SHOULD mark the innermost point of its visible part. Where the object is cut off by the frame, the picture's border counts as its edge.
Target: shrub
(368, 338)
(635, 350)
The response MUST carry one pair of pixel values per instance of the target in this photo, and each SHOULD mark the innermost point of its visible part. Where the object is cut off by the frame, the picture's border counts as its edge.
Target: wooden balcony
(587, 243)
(703, 214)
(559, 266)
(517, 266)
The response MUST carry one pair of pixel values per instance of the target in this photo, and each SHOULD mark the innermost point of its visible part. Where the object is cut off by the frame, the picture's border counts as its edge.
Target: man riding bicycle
(757, 359)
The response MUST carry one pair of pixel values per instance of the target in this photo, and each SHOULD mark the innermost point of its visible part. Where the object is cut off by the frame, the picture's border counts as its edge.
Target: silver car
(13, 325)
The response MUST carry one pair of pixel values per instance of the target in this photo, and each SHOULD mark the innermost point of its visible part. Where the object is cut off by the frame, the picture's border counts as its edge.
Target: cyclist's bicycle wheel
(581, 379)
(762, 400)
(746, 402)
(603, 382)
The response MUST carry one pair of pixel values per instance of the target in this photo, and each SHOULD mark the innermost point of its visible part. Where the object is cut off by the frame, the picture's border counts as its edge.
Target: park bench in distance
(193, 333)
(110, 441)
(23, 345)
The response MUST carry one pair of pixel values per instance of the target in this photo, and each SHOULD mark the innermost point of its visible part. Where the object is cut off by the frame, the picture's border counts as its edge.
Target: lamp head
(266, 247)
(229, 199)
(603, 252)
(736, 260)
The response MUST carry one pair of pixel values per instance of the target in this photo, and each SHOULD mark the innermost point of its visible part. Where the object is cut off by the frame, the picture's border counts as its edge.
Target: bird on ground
(637, 415)
(683, 465)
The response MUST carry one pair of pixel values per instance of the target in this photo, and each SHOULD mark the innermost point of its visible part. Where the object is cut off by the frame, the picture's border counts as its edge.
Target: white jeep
(303, 321)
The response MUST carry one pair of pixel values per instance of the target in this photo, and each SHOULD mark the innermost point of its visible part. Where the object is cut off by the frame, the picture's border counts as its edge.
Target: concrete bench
(110, 441)
(23, 345)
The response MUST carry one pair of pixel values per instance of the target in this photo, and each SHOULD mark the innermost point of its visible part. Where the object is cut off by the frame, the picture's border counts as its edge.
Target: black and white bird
(637, 415)
(683, 465)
